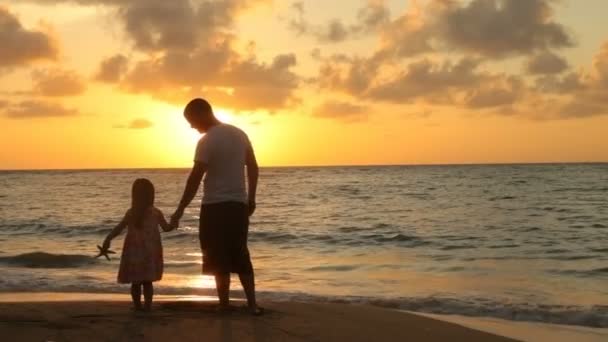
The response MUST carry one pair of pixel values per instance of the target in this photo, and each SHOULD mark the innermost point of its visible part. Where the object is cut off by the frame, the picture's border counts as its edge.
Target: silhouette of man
(222, 155)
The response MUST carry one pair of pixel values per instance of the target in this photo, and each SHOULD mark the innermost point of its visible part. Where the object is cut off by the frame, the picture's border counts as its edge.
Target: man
(222, 155)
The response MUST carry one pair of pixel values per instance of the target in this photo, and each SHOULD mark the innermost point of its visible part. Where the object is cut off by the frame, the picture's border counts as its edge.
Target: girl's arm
(163, 222)
(116, 231)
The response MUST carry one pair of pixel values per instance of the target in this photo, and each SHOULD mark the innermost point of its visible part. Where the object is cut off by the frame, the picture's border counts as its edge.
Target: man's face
(197, 123)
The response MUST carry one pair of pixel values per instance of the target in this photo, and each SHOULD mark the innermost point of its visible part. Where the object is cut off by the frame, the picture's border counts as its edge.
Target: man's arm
(253, 172)
(194, 181)
(164, 225)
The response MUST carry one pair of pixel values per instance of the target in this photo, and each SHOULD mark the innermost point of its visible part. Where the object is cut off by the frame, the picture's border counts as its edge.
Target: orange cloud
(57, 82)
(33, 109)
(21, 46)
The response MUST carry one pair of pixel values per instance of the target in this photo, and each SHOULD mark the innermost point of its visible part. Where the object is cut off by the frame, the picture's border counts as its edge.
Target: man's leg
(248, 282)
(222, 284)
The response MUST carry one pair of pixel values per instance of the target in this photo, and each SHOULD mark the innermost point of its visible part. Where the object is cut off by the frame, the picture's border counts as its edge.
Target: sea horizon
(541, 163)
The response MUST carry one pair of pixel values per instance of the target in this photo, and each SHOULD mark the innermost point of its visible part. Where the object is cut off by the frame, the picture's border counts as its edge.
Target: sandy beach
(108, 318)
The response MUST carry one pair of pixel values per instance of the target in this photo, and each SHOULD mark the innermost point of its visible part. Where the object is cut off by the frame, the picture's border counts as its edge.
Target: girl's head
(142, 197)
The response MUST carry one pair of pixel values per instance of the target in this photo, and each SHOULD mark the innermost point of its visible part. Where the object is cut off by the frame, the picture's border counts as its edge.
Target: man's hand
(176, 217)
(251, 207)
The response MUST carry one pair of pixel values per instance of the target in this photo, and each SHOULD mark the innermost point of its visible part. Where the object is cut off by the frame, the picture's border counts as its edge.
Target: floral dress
(142, 252)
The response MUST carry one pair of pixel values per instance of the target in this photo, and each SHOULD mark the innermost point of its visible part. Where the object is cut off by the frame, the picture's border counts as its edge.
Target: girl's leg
(136, 295)
(148, 294)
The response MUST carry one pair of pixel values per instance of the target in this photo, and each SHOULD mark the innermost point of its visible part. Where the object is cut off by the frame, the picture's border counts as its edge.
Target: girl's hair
(142, 197)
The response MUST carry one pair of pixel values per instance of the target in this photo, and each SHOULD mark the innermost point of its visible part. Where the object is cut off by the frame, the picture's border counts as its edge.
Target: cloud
(21, 46)
(437, 82)
(155, 25)
(350, 75)
(334, 32)
(372, 16)
(369, 18)
(408, 35)
(565, 84)
(137, 124)
(178, 24)
(189, 50)
(475, 33)
(299, 25)
(218, 73)
(342, 111)
(591, 99)
(489, 28)
(600, 66)
(112, 69)
(501, 91)
(546, 63)
(140, 124)
(582, 109)
(57, 82)
(428, 80)
(32, 109)
(498, 28)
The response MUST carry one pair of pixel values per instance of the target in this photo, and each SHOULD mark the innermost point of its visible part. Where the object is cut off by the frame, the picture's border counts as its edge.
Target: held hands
(177, 215)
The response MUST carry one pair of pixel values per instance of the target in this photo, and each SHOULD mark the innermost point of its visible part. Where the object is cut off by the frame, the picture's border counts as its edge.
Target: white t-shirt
(223, 149)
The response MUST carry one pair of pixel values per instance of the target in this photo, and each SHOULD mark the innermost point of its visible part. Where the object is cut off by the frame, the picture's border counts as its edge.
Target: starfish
(104, 252)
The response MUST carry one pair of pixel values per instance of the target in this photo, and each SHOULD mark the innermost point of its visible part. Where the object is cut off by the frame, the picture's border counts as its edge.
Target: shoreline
(71, 316)
(109, 319)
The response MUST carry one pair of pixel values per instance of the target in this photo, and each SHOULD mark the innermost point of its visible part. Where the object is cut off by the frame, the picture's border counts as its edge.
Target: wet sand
(70, 317)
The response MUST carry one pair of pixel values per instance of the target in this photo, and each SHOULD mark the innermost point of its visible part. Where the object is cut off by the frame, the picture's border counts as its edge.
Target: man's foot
(224, 309)
(256, 310)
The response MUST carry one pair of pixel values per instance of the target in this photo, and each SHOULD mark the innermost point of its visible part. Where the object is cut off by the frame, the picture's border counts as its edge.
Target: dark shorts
(223, 236)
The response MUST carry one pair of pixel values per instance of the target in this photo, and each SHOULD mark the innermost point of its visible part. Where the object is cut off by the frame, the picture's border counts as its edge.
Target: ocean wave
(453, 247)
(30, 228)
(596, 272)
(271, 236)
(595, 316)
(397, 237)
(385, 234)
(501, 198)
(339, 268)
(48, 260)
(182, 264)
(591, 316)
(503, 246)
(180, 236)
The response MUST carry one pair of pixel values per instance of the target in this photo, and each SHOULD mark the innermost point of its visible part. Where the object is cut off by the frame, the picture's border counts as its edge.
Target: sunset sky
(102, 83)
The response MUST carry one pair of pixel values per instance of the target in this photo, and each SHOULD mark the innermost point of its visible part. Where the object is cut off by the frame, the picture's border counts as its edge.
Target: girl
(142, 253)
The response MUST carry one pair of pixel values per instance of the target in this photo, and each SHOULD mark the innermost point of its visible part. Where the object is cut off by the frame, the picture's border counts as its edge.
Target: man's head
(199, 114)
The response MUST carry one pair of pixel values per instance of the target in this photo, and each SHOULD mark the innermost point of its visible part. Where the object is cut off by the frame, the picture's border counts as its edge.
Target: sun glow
(174, 139)
(203, 281)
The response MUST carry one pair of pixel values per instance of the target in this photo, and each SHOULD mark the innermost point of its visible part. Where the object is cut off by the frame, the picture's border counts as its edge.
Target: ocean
(519, 242)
